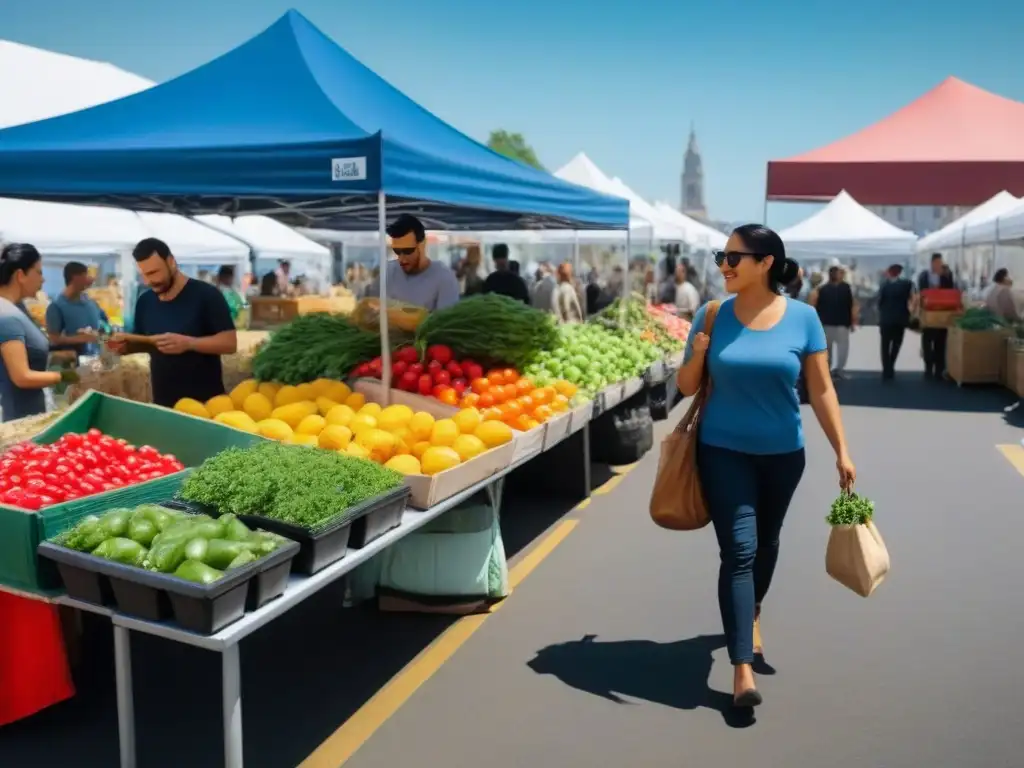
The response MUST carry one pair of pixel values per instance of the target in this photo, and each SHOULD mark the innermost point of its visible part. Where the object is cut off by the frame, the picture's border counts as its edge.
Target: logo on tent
(348, 169)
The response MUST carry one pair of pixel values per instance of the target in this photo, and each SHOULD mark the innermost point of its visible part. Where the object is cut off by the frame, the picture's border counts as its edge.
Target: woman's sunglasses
(733, 258)
(405, 251)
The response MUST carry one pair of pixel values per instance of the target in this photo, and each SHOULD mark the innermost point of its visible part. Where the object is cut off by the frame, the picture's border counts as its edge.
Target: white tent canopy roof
(582, 170)
(845, 228)
(1011, 224)
(273, 241)
(698, 234)
(953, 234)
(990, 225)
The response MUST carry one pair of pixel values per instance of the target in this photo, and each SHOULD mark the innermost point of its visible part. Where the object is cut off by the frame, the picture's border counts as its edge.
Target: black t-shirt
(893, 298)
(199, 310)
(507, 284)
(835, 304)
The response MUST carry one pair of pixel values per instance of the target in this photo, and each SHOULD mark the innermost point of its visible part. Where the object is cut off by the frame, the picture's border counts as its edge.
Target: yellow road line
(358, 729)
(582, 505)
(609, 486)
(1014, 454)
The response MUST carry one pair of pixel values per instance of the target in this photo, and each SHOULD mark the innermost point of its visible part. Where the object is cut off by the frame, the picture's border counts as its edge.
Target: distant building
(693, 181)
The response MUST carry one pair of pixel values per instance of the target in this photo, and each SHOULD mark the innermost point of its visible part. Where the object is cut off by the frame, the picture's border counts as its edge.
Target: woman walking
(750, 454)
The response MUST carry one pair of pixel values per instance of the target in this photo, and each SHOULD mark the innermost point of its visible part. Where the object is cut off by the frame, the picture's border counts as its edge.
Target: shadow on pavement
(671, 674)
(912, 391)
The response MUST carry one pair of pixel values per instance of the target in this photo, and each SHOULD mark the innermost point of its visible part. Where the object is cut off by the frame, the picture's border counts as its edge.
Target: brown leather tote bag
(677, 501)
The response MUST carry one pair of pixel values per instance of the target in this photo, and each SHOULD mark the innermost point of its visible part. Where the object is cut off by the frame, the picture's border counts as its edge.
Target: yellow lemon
(444, 432)
(306, 392)
(421, 425)
(325, 404)
(362, 421)
(237, 419)
(192, 408)
(437, 459)
(355, 401)
(275, 429)
(340, 414)
(258, 406)
(320, 387)
(268, 389)
(371, 409)
(311, 425)
(393, 417)
(355, 449)
(406, 465)
(335, 437)
(242, 391)
(379, 443)
(418, 449)
(309, 441)
(402, 447)
(401, 433)
(287, 395)
(338, 391)
(494, 433)
(468, 446)
(293, 413)
(467, 420)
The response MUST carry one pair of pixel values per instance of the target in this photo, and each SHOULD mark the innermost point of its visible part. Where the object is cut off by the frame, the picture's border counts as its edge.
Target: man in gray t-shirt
(412, 277)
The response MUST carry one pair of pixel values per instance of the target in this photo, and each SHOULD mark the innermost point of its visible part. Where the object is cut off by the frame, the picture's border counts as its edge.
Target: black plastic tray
(354, 529)
(201, 608)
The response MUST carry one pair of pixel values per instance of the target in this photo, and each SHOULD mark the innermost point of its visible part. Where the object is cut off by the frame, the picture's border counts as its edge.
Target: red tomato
(472, 370)
(398, 369)
(426, 384)
(416, 369)
(408, 381)
(439, 353)
(434, 366)
(148, 452)
(455, 370)
(460, 385)
(30, 501)
(443, 377)
(407, 355)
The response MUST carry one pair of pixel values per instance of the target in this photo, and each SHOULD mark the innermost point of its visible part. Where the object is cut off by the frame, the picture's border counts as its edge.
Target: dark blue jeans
(747, 497)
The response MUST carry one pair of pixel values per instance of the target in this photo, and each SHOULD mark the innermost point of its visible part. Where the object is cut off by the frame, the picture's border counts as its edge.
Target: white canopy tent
(844, 229)
(697, 234)
(582, 170)
(271, 242)
(1010, 225)
(1002, 222)
(663, 230)
(953, 235)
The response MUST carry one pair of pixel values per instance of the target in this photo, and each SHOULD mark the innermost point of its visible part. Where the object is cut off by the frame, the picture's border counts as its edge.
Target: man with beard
(189, 324)
(413, 277)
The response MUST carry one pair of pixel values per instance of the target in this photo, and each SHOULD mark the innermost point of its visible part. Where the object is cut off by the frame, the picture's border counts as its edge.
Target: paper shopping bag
(856, 557)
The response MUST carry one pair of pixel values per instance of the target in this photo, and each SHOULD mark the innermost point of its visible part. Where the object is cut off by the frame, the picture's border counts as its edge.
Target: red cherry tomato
(442, 377)
(439, 353)
(426, 384)
(454, 370)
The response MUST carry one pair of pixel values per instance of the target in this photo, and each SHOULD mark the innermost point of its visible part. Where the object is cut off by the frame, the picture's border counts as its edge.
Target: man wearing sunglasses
(413, 277)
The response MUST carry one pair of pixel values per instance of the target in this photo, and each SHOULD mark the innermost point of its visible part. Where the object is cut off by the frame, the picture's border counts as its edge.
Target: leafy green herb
(303, 486)
(850, 509)
(314, 346)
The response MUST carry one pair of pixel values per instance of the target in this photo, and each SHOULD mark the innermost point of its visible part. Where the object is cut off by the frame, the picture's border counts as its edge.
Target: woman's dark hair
(1001, 274)
(17, 257)
(226, 275)
(766, 242)
(268, 285)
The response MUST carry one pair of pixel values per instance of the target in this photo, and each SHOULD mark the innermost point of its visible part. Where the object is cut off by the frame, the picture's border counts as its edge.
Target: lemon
(242, 391)
(219, 404)
(306, 391)
(237, 419)
(258, 406)
(444, 432)
(362, 421)
(355, 449)
(311, 425)
(379, 443)
(421, 425)
(355, 401)
(337, 391)
(287, 395)
(402, 447)
(309, 441)
(325, 404)
(340, 414)
(275, 429)
(418, 449)
(393, 417)
(335, 437)
(437, 459)
(293, 413)
(371, 409)
(468, 446)
(268, 389)
(401, 433)
(467, 420)
(192, 408)
(406, 465)
(494, 433)
(321, 387)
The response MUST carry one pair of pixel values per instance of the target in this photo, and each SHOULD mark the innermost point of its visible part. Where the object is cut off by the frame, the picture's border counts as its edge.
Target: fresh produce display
(491, 328)
(504, 395)
(314, 346)
(666, 315)
(437, 373)
(979, 319)
(306, 488)
(37, 476)
(637, 318)
(196, 548)
(850, 509)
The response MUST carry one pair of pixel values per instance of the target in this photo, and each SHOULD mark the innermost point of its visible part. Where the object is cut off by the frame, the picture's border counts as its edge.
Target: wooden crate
(1014, 367)
(975, 357)
(267, 312)
(938, 318)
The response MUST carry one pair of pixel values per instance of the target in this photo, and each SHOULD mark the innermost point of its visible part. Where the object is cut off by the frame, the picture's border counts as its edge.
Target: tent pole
(385, 341)
(626, 276)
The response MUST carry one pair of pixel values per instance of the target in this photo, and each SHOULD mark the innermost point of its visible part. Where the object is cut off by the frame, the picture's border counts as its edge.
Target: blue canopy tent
(288, 125)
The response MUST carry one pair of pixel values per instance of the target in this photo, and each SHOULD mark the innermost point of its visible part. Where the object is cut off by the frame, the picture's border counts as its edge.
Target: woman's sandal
(749, 698)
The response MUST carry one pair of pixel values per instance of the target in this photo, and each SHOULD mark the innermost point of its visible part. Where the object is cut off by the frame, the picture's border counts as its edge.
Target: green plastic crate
(191, 439)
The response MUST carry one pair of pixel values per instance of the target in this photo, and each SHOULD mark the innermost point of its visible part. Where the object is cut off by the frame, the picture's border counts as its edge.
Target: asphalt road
(609, 653)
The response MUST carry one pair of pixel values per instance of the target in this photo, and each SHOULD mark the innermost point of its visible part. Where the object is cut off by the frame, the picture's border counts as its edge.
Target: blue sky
(621, 82)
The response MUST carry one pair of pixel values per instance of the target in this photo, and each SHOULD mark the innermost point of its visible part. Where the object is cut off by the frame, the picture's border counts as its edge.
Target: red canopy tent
(955, 145)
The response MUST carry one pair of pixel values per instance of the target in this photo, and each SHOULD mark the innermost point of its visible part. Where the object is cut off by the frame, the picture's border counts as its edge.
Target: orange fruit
(543, 395)
(509, 410)
(510, 375)
(449, 396)
(496, 377)
(526, 401)
(499, 394)
(524, 386)
(470, 400)
(532, 424)
(560, 403)
(480, 385)
(491, 414)
(522, 422)
(542, 413)
(486, 400)
(566, 388)
(510, 392)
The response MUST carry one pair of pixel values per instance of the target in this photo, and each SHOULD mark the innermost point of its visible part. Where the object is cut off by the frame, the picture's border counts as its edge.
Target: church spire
(691, 145)
(692, 197)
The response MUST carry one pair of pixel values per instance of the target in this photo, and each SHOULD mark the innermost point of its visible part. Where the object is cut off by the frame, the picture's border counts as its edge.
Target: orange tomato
(510, 392)
(543, 395)
(524, 386)
(542, 413)
(470, 400)
(496, 377)
(510, 375)
(480, 385)
(486, 400)
(522, 422)
(498, 393)
(560, 403)
(448, 396)
(511, 409)
(527, 402)
(532, 424)
(491, 414)
(566, 388)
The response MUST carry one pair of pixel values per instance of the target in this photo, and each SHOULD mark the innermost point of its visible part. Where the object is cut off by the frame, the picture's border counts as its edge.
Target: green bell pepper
(193, 570)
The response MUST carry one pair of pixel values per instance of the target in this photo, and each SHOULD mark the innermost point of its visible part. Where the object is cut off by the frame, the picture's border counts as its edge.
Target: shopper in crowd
(999, 300)
(933, 340)
(503, 280)
(73, 319)
(544, 289)
(894, 302)
(468, 271)
(687, 297)
(837, 311)
(565, 302)
(750, 454)
(283, 274)
(189, 325)
(414, 278)
(24, 349)
(226, 285)
(268, 285)
(795, 287)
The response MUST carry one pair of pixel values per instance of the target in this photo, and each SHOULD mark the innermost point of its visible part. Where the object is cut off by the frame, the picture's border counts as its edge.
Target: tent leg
(385, 341)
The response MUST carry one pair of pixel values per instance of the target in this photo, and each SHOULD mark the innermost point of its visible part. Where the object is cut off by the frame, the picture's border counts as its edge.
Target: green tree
(513, 145)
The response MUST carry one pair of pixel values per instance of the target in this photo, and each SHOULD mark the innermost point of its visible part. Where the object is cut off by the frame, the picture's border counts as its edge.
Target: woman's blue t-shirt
(16, 325)
(753, 406)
